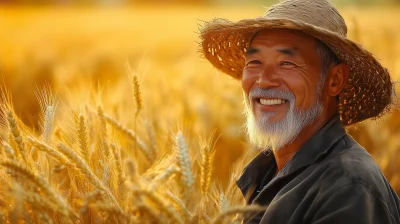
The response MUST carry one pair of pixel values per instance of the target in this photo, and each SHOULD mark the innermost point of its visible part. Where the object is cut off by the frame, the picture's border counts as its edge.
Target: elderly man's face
(282, 85)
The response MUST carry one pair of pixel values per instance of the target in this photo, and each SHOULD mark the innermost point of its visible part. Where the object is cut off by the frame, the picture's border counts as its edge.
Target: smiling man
(303, 81)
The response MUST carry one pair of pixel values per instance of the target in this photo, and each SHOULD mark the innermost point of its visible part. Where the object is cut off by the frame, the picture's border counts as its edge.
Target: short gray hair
(328, 58)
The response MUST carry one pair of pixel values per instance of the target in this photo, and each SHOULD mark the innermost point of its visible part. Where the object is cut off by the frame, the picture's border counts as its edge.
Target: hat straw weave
(368, 92)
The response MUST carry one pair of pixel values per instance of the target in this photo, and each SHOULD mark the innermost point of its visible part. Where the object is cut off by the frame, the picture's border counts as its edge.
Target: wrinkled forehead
(282, 35)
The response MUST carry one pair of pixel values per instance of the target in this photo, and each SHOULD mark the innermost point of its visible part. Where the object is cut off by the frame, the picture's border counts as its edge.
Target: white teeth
(271, 101)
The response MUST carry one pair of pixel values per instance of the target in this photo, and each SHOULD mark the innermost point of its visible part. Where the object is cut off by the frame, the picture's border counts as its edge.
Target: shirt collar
(317, 146)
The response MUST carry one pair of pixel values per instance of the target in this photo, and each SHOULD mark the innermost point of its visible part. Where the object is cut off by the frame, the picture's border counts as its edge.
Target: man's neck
(285, 154)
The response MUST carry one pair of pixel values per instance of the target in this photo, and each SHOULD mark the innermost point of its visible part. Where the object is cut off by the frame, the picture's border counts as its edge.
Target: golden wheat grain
(51, 151)
(136, 89)
(184, 163)
(82, 138)
(86, 171)
(132, 170)
(16, 133)
(48, 105)
(223, 202)
(9, 151)
(207, 152)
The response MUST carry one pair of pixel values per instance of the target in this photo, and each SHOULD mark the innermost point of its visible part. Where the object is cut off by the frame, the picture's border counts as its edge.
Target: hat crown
(319, 13)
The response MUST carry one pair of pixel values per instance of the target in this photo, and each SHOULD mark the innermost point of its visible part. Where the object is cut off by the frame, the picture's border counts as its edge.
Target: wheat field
(110, 115)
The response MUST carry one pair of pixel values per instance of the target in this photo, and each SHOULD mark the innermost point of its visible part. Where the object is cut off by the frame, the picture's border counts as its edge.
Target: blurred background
(81, 48)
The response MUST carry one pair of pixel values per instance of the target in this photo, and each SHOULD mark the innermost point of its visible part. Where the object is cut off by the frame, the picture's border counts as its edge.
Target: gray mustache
(271, 93)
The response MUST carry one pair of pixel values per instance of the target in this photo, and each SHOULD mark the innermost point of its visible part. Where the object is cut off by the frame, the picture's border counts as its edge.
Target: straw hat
(368, 91)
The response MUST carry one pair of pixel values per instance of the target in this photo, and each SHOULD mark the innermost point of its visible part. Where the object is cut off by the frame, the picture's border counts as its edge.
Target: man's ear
(337, 79)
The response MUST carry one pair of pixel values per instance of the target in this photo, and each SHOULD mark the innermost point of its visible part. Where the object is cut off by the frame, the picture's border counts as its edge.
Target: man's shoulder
(351, 164)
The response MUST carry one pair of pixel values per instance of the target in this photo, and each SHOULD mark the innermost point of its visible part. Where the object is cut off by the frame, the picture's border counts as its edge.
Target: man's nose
(268, 78)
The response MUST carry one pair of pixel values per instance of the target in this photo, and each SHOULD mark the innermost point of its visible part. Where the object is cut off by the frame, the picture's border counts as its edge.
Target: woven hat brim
(368, 92)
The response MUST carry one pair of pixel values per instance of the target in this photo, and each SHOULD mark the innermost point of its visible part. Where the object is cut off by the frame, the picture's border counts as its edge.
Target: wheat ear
(41, 183)
(137, 93)
(9, 151)
(16, 133)
(237, 210)
(208, 153)
(86, 171)
(171, 214)
(136, 89)
(83, 139)
(184, 163)
(51, 151)
(223, 203)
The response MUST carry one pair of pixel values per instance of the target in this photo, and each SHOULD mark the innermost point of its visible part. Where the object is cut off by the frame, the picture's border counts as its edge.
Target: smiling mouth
(271, 101)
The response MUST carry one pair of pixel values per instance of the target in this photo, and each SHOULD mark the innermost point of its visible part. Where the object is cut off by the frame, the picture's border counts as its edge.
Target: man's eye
(283, 63)
(254, 62)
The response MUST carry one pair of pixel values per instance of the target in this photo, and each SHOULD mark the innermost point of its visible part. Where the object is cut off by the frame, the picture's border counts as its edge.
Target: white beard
(266, 135)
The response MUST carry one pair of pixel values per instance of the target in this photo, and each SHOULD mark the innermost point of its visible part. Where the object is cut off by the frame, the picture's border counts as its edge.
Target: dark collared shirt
(331, 179)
